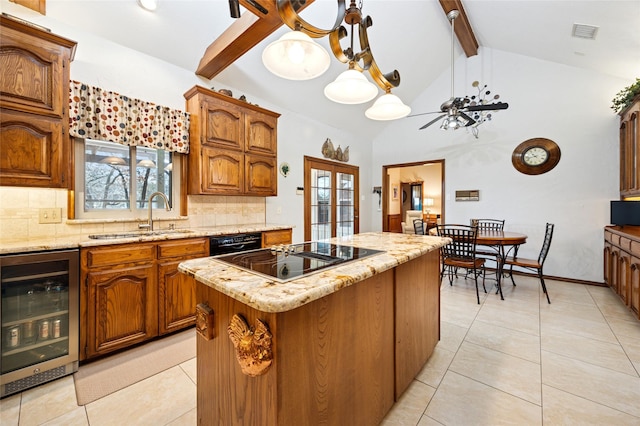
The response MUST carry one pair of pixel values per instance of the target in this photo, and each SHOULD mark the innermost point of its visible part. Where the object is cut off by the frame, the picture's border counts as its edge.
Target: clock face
(535, 156)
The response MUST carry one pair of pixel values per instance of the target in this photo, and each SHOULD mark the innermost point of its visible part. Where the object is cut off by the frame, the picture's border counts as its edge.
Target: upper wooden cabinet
(630, 150)
(34, 88)
(233, 146)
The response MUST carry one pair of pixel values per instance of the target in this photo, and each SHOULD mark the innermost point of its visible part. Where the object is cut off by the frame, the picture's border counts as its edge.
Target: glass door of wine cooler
(39, 318)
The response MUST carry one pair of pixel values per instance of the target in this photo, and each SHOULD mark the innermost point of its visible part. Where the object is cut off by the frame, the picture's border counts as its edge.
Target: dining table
(504, 243)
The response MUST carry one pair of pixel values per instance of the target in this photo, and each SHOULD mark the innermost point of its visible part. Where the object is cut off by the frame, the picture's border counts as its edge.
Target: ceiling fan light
(295, 56)
(387, 107)
(114, 161)
(351, 87)
(149, 5)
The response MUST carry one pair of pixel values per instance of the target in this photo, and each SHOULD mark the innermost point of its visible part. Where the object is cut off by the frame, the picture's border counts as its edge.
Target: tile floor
(518, 361)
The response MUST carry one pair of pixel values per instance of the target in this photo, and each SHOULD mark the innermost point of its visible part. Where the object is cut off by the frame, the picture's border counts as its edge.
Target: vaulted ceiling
(412, 36)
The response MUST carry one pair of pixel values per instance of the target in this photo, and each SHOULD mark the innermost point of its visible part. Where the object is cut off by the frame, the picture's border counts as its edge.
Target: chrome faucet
(149, 224)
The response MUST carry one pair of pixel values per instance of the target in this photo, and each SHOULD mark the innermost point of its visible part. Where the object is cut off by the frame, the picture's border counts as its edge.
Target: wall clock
(536, 156)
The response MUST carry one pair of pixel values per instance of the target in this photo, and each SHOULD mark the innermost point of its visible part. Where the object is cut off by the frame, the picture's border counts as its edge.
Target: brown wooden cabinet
(233, 146)
(622, 264)
(34, 87)
(133, 292)
(630, 150)
(275, 237)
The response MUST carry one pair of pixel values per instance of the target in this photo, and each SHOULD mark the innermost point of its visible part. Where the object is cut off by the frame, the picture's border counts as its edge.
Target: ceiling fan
(467, 111)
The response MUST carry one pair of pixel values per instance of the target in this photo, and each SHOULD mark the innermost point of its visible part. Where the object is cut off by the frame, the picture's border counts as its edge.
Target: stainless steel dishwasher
(39, 318)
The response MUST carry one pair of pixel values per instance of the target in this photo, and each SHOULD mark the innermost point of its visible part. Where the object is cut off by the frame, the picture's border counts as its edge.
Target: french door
(331, 195)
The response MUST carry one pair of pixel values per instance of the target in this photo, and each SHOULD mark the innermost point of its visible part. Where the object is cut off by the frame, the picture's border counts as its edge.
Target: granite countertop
(270, 295)
(77, 241)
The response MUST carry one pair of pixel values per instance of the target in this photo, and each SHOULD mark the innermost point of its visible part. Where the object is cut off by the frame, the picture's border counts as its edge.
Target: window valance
(95, 113)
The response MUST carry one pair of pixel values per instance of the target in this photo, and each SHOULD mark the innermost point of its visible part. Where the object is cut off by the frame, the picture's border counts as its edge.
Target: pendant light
(387, 107)
(295, 56)
(351, 87)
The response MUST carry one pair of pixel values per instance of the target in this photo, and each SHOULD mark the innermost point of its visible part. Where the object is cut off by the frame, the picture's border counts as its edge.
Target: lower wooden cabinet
(622, 264)
(275, 237)
(133, 292)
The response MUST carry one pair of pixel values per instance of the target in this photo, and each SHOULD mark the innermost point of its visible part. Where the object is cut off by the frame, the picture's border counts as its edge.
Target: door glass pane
(345, 204)
(320, 204)
(107, 178)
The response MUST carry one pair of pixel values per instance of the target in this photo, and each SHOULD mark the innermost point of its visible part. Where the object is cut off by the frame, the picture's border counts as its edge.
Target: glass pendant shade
(351, 87)
(387, 107)
(295, 56)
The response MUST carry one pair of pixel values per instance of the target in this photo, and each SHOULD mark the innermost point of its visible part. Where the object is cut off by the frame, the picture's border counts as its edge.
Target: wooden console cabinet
(233, 146)
(622, 264)
(133, 292)
(34, 116)
(279, 236)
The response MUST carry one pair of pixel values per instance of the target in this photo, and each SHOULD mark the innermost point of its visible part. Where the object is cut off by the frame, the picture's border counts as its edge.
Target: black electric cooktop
(289, 262)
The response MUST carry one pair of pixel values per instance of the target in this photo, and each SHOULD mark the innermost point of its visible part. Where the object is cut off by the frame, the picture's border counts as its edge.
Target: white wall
(567, 105)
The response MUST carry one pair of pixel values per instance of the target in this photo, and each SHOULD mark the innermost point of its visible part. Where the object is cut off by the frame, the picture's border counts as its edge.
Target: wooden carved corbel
(253, 345)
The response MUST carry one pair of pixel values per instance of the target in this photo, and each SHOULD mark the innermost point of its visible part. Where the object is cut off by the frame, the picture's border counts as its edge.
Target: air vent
(585, 31)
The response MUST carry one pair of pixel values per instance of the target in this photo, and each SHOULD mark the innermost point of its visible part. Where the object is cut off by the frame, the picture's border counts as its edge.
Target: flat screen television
(625, 213)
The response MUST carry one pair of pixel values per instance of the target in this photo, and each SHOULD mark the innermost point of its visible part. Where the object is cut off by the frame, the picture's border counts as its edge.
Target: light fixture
(295, 56)
(149, 164)
(169, 167)
(428, 203)
(349, 87)
(387, 107)
(149, 5)
(234, 8)
(114, 161)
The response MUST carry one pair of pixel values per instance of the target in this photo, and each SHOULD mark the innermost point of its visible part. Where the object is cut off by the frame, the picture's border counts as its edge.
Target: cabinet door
(261, 133)
(260, 175)
(221, 172)
(280, 236)
(177, 291)
(34, 152)
(607, 263)
(222, 125)
(122, 308)
(634, 285)
(623, 276)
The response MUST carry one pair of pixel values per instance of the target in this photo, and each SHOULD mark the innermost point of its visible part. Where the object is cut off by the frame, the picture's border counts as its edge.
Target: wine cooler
(39, 318)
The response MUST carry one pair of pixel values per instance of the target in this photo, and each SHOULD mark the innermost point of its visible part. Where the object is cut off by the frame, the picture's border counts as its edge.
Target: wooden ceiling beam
(463, 29)
(241, 36)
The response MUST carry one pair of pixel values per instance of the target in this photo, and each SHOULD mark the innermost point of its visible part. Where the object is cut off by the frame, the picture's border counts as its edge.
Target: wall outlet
(51, 215)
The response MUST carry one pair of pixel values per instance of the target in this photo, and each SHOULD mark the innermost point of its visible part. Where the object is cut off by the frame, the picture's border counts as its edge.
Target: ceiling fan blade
(470, 121)
(488, 107)
(424, 113)
(432, 121)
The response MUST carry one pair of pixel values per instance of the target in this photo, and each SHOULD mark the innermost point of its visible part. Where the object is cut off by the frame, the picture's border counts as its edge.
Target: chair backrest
(463, 238)
(488, 224)
(411, 215)
(546, 244)
(418, 226)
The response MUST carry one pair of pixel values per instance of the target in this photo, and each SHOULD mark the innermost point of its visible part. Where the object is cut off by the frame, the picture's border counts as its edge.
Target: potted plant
(626, 96)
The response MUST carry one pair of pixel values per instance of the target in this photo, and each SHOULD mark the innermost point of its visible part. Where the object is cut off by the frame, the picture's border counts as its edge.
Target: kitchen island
(335, 347)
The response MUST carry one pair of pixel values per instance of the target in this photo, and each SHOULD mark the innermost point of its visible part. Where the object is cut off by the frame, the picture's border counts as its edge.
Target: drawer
(612, 238)
(625, 243)
(270, 238)
(635, 248)
(182, 248)
(116, 255)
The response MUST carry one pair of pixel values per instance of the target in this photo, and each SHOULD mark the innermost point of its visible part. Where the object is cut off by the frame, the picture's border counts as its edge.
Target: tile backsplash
(20, 211)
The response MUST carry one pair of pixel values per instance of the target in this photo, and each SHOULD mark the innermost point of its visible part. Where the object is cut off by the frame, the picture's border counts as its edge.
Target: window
(114, 180)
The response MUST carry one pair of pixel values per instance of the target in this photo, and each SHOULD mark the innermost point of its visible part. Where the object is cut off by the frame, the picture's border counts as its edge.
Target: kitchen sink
(135, 234)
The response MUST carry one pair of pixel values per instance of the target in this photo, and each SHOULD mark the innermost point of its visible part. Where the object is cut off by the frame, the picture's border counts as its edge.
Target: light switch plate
(51, 215)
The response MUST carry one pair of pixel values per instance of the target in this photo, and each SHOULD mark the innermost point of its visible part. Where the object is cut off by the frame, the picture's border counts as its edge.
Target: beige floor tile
(631, 346)
(190, 418)
(410, 407)
(47, 402)
(512, 342)
(462, 401)
(568, 293)
(77, 417)
(597, 329)
(507, 373)
(435, 368)
(189, 367)
(601, 385)
(157, 400)
(562, 408)
(588, 312)
(509, 317)
(451, 336)
(428, 421)
(597, 352)
(10, 410)
(617, 310)
(620, 327)
(461, 313)
(603, 295)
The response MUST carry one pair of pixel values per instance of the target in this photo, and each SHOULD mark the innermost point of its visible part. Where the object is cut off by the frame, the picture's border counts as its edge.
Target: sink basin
(135, 234)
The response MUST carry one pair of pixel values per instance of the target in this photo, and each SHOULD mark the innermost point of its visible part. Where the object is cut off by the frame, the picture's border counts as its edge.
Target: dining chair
(418, 226)
(461, 253)
(533, 264)
(489, 252)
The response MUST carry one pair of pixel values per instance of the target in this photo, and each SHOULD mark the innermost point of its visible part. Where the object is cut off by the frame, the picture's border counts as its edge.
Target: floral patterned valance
(95, 113)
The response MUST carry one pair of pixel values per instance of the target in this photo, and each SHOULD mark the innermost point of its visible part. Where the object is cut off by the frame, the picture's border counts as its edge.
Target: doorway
(423, 183)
